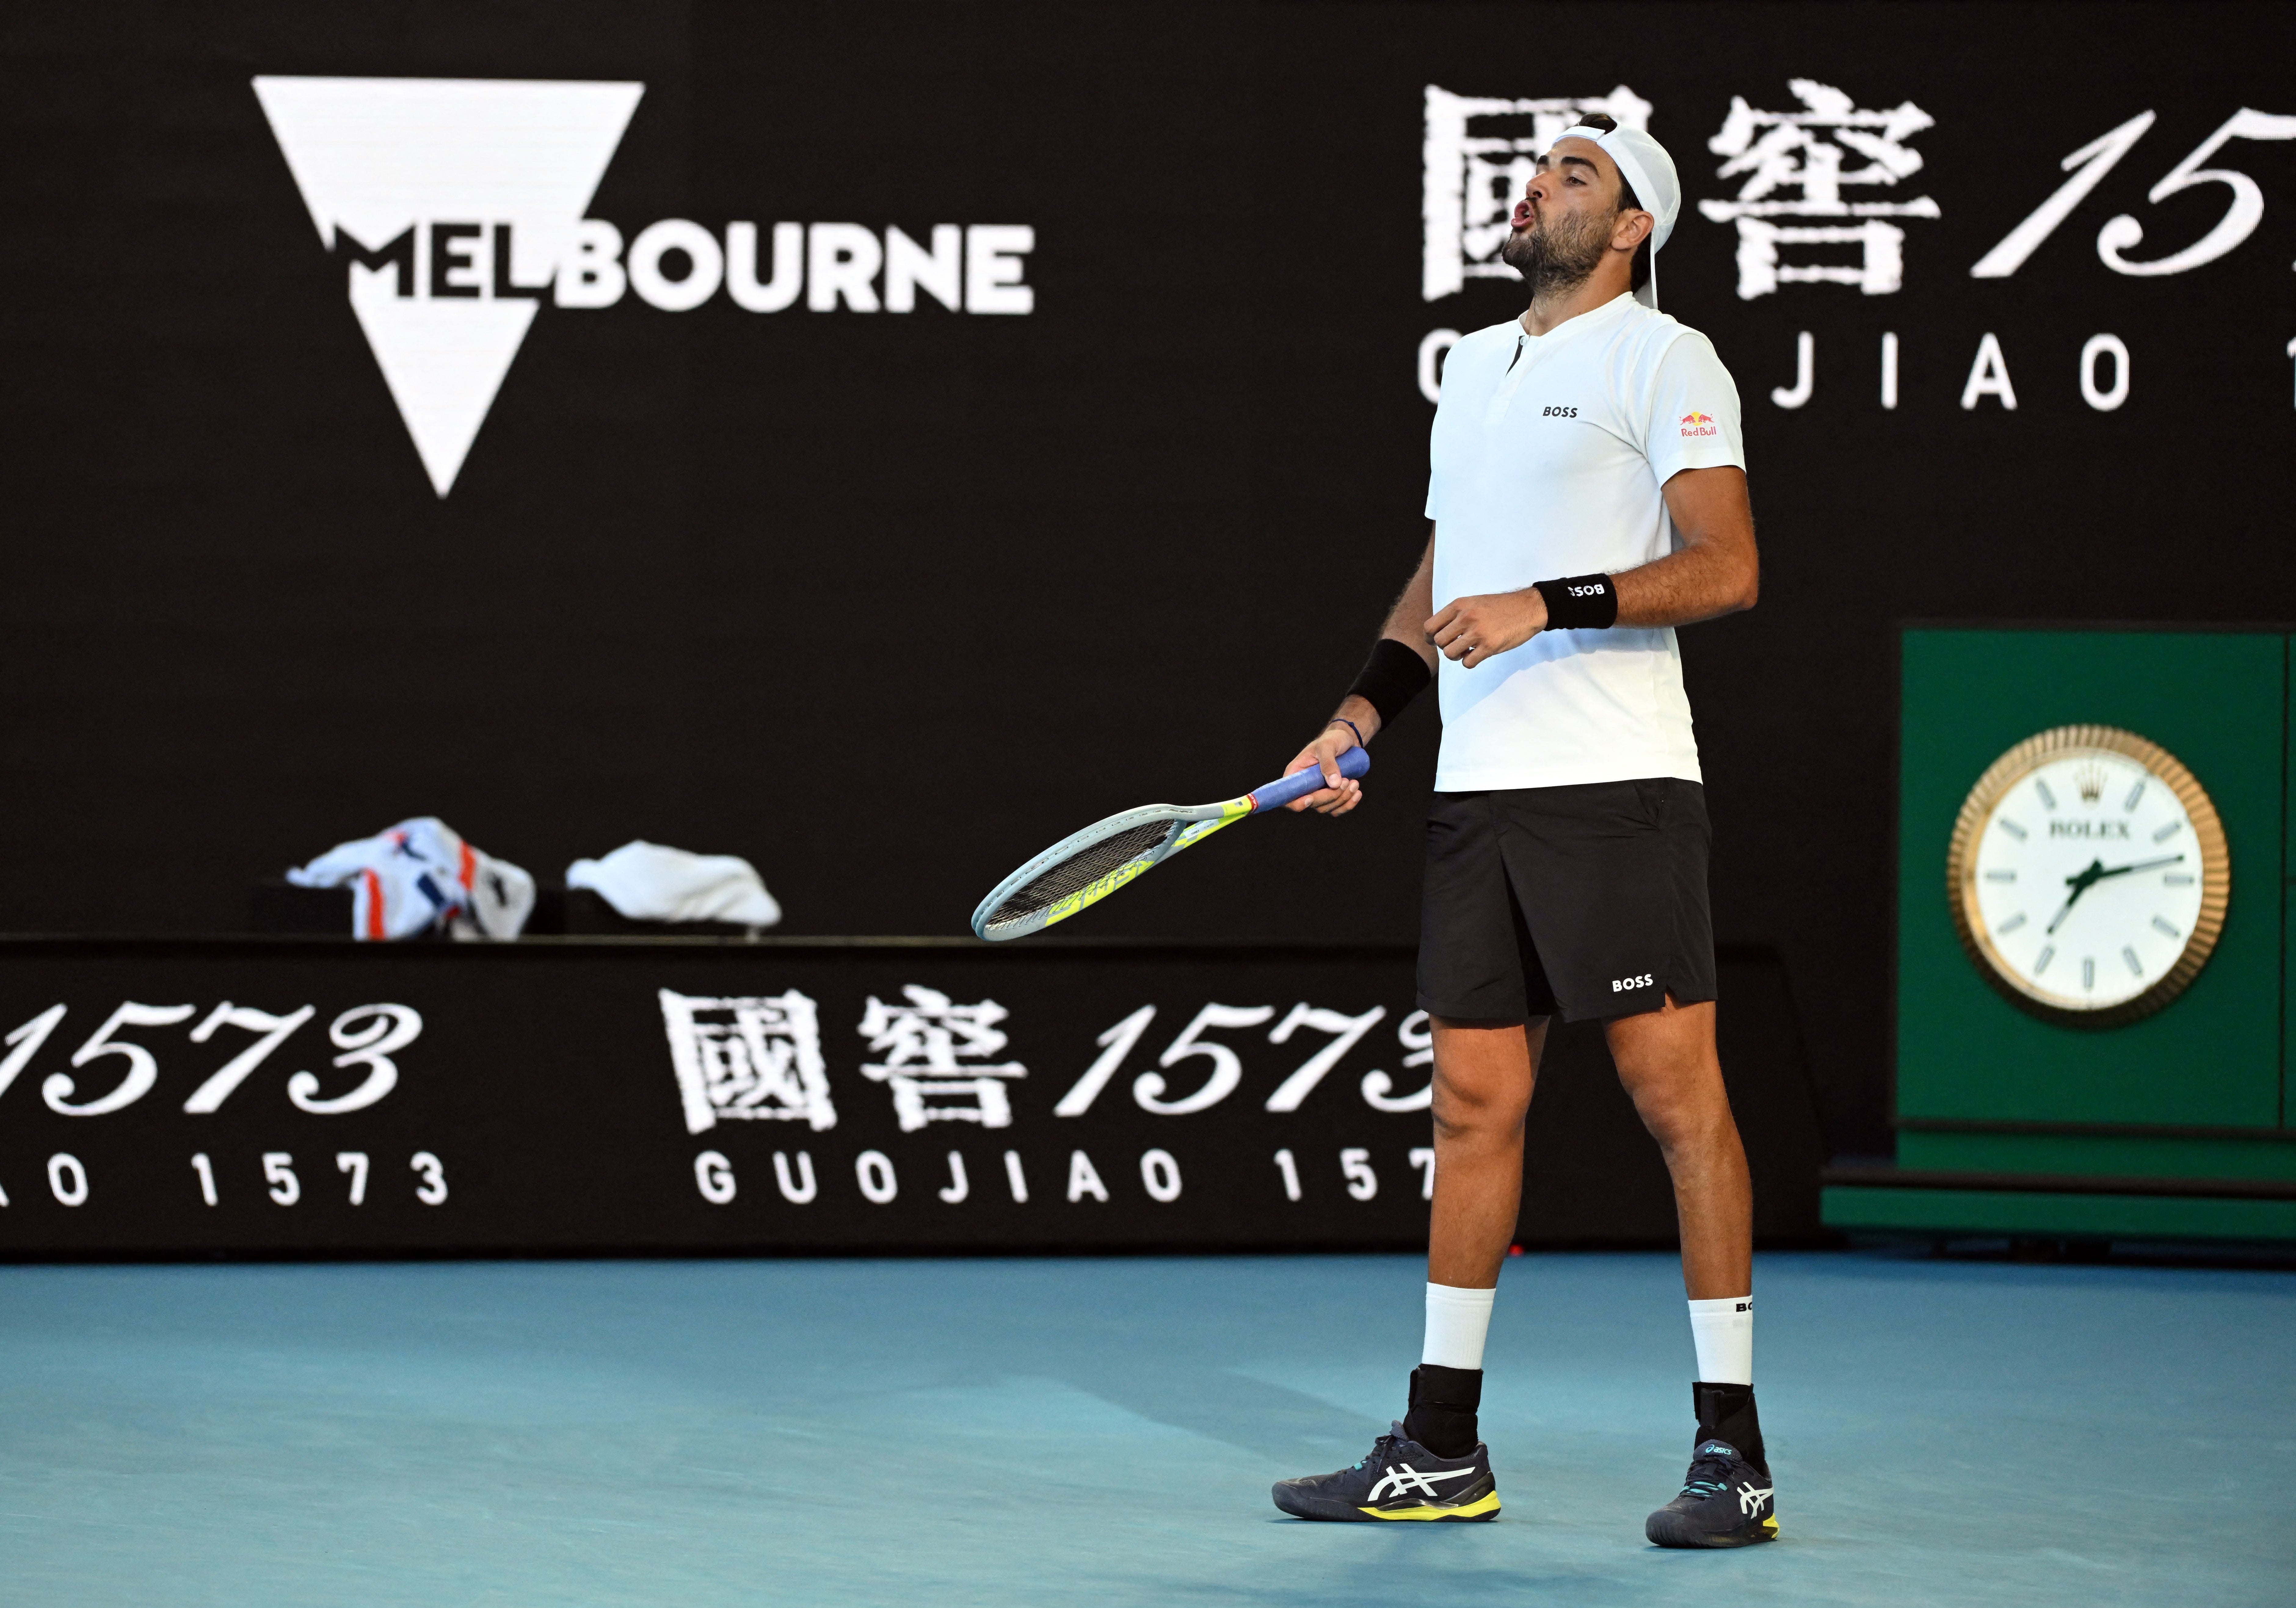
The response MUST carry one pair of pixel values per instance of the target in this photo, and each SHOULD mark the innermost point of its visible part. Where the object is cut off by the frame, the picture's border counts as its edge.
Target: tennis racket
(1086, 867)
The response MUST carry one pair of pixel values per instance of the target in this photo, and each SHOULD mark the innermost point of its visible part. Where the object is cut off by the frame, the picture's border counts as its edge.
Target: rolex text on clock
(2088, 875)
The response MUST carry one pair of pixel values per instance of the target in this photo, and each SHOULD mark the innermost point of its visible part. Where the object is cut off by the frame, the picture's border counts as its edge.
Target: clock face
(2089, 875)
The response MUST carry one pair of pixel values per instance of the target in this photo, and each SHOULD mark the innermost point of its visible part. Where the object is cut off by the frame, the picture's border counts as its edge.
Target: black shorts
(1589, 900)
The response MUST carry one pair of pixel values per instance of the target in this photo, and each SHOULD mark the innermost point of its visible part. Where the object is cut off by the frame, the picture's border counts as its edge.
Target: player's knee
(1480, 1127)
(1683, 1114)
(1463, 1107)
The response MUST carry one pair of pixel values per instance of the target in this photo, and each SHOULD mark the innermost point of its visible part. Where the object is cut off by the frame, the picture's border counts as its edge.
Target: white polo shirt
(1547, 458)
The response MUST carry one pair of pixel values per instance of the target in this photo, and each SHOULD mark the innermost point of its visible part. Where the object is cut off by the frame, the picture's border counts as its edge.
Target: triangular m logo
(451, 201)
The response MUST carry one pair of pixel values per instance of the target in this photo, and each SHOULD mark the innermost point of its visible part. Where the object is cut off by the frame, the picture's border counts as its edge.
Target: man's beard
(1553, 257)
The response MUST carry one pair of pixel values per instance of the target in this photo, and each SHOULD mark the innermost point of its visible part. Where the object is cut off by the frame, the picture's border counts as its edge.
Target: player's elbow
(1746, 586)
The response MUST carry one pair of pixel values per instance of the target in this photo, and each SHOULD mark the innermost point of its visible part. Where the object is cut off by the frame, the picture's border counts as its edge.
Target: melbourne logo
(1694, 423)
(452, 202)
(455, 206)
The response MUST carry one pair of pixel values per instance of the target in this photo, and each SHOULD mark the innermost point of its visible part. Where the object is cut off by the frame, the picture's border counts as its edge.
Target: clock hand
(2142, 865)
(2079, 884)
(2093, 873)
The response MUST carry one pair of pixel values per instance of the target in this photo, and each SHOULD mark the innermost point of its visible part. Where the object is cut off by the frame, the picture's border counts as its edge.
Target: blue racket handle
(1355, 762)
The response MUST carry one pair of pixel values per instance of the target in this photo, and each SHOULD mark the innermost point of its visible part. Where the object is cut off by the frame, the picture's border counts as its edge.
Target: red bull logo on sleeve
(1694, 423)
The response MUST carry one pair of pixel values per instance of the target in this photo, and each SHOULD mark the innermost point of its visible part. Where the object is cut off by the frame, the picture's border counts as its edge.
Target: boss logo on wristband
(1580, 603)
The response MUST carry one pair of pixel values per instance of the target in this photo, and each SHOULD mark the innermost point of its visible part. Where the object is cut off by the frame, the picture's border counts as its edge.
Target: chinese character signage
(1836, 168)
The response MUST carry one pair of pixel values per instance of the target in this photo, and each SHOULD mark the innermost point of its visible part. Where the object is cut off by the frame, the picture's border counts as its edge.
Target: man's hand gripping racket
(1086, 867)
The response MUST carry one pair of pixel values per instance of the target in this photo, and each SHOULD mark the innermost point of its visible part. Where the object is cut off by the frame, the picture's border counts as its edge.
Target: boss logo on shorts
(1623, 985)
(1558, 412)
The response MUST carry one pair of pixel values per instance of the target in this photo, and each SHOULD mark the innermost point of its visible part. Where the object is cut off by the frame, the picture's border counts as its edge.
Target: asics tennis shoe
(1398, 1479)
(1726, 1501)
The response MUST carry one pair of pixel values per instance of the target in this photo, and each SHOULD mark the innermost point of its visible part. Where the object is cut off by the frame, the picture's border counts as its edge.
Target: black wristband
(1580, 603)
(1391, 677)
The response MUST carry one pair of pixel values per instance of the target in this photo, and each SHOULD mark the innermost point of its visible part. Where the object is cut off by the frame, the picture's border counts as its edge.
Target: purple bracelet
(1341, 720)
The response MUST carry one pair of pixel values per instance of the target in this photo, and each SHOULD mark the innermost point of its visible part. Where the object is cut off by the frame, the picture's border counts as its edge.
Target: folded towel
(647, 882)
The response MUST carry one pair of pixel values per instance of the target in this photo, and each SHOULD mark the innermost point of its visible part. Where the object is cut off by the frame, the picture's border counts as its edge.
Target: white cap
(1650, 172)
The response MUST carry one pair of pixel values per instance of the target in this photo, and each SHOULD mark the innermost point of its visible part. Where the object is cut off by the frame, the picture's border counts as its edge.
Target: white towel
(420, 876)
(647, 882)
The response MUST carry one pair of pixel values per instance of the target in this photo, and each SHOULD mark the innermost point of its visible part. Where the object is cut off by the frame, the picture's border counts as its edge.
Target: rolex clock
(2088, 875)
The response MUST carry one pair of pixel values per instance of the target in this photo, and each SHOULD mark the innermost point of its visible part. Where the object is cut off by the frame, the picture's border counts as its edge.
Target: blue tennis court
(1104, 1432)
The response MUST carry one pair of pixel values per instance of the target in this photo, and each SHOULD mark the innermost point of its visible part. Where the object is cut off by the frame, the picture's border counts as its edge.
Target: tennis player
(1588, 495)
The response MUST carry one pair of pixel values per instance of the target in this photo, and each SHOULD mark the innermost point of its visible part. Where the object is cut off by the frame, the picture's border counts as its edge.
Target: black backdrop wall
(886, 600)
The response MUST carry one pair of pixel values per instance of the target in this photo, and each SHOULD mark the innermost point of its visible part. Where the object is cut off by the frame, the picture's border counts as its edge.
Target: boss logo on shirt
(1628, 984)
(1559, 413)
(1700, 424)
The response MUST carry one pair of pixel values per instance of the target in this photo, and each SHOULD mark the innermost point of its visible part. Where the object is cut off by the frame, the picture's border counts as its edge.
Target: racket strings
(1079, 870)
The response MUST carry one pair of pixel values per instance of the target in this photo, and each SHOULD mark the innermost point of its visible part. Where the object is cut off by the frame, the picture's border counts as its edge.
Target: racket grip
(1354, 763)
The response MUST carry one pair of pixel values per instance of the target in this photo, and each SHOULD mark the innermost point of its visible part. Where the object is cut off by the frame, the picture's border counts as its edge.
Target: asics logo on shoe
(1751, 1498)
(1403, 1478)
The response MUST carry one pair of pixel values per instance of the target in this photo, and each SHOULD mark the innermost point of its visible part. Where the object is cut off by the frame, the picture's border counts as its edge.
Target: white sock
(1457, 1320)
(1723, 1333)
